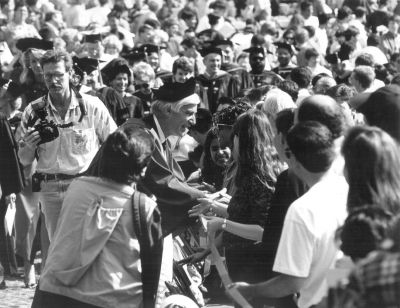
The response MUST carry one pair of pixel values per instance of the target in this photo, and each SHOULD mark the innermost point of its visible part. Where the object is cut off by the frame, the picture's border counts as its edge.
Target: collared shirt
(95, 256)
(72, 152)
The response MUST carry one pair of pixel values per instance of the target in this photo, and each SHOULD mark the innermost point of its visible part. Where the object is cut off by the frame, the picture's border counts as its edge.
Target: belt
(57, 176)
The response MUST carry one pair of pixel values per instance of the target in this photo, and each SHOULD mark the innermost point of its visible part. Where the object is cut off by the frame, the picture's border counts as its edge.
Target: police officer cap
(33, 43)
(87, 65)
(255, 49)
(92, 38)
(284, 45)
(211, 49)
(175, 91)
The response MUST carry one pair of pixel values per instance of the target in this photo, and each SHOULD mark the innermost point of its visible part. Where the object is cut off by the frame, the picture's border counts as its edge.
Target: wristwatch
(223, 226)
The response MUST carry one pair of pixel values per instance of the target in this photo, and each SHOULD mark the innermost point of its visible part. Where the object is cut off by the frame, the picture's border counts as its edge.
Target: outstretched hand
(244, 288)
(203, 207)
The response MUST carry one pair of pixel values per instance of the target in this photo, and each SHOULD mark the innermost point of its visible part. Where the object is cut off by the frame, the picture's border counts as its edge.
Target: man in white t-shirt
(307, 249)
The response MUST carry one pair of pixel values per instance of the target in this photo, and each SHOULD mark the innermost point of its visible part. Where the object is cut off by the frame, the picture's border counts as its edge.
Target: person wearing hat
(121, 104)
(173, 113)
(260, 76)
(93, 48)
(71, 128)
(86, 75)
(216, 20)
(229, 65)
(11, 102)
(153, 58)
(284, 54)
(215, 83)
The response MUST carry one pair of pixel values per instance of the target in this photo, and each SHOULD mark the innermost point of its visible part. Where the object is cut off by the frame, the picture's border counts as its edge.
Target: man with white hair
(173, 113)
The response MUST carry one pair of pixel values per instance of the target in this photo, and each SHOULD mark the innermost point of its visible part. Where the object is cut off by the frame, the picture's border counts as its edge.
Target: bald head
(323, 109)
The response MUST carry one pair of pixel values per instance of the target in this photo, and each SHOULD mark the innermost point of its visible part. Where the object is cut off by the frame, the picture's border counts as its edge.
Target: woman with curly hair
(258, 166)
(372, 165)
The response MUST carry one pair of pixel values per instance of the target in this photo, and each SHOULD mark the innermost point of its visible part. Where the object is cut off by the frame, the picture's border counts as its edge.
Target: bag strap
(151, 247)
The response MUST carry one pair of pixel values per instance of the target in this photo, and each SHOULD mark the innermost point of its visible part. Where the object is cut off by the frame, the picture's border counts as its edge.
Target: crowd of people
(136, 135)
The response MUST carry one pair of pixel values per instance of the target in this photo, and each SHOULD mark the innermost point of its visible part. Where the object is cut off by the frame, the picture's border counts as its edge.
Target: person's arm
(206, 205)
(250, 232)
(277, 287)
(29, 140)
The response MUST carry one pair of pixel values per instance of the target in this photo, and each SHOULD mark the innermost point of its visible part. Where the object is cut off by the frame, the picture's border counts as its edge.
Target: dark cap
(208, 50)
(382, 109)
(134, 55)
(284, 45)
(31, 42)
(87, 65)
(115, 67)
(210, 35)
(92, 38)
(190, 42)
(217, 43)
(175, 91)
(218, 4)
(150, 48)
(253, 50)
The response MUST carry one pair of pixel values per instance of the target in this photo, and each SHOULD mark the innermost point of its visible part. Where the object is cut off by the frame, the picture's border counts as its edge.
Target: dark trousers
(44, 299)
(7, 243)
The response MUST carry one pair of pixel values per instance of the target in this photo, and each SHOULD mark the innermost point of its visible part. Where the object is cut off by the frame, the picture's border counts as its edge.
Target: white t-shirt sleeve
(295, 251)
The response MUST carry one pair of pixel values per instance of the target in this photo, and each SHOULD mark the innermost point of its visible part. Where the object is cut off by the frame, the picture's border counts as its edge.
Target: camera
(48, 130)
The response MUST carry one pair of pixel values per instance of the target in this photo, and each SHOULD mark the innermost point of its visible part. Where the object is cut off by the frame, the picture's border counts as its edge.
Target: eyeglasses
(142, 86)
(57, 76)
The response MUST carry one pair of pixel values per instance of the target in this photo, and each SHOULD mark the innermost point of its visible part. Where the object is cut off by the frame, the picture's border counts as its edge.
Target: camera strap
(44, 103)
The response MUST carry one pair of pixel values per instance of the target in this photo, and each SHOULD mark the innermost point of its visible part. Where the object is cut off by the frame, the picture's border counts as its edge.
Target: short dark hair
(284, 120)
(55, 56)
(184, 64)
(305, 5)
(373, 40)
(301, 76)
(203, 121)
(360, 11)
(318, 77)
(365, 75)
(344, 12)
(312, 145)
(311, 52)
(364, 59)
(290, 87)
(364, 230)
(330, 115)
(124, 155)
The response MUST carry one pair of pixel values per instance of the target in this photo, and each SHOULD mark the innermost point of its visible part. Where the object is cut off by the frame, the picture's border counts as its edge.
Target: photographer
(63, 130)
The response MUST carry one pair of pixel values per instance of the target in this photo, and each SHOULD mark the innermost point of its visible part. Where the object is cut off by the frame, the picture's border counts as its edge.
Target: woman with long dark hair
(372, 165)
(216, 159)
(258, 166)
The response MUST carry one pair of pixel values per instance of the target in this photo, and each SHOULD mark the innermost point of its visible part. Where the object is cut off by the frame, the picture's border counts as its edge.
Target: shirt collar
(159, 130)
(74, 101)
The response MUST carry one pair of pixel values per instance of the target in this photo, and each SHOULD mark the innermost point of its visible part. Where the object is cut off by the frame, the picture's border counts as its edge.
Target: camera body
(48, 130)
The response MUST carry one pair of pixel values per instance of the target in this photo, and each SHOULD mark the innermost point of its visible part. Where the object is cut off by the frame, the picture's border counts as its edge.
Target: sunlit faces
(219, 155)
(181, 121)
(92, 79)
(227, 52)
(120, 82)
(212, 62)
(94, 50)
(56, 78)
(181, 75)
(154, 60)
(284, 57)
(257, 62)
(34, 64)
(144, 84)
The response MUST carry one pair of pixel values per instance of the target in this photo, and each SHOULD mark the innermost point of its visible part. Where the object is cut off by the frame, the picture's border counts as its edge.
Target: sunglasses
(142, 86)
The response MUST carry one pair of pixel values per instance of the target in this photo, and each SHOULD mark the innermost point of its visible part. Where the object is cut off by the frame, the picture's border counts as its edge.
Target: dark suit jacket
(163, 179)
(166, 181)
(11, 172)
